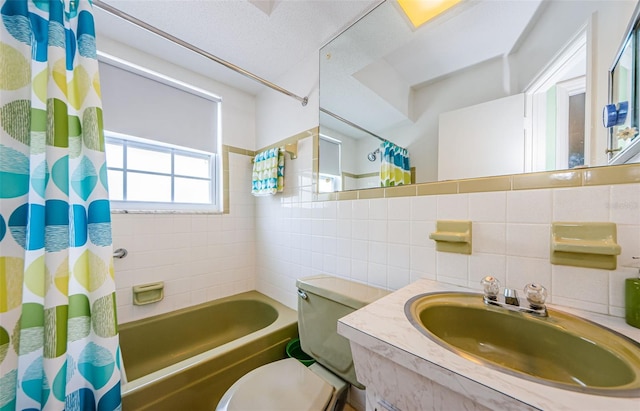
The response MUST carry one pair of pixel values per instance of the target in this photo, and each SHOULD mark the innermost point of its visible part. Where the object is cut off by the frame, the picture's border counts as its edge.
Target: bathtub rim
(286, 316)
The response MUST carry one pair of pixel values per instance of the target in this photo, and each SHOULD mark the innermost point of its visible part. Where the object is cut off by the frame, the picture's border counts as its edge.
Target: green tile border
(367, 175)
(347, 195)
(401, 191)
(627, 173)
(440, 187)
(551, 179)
(481, 185)
(371, 193)
(606, 175)
(242, 151)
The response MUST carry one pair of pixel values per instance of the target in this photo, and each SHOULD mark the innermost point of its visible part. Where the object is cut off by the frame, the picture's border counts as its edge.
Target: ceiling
(265, 37)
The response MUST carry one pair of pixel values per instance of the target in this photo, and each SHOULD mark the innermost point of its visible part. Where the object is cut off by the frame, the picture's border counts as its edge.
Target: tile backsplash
(384, 241)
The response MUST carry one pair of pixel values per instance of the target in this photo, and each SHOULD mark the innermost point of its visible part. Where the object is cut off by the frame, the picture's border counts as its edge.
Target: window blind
(139, 106)
(329, 157)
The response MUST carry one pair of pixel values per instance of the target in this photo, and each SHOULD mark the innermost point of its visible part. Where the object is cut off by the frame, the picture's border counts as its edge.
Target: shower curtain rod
(119, 13)
(344, 120)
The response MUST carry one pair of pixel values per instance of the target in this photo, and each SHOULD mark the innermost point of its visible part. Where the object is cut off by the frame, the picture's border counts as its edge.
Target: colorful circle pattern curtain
(59, 346)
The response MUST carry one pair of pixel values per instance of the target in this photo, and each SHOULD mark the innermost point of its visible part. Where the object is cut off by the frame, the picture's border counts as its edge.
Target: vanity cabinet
(405, 371)
(393, 387)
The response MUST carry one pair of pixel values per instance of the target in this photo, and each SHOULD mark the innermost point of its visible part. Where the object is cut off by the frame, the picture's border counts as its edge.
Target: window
(558, 137)
(146, 174)
(163, 142)
(330, 174)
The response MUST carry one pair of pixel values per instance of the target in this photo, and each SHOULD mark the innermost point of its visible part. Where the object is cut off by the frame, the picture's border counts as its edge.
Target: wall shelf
(452, 236)
(590, 245)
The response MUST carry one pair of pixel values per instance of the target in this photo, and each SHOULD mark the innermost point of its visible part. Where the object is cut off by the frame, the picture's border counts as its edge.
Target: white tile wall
(385, 241)
(199, 257)
(267, 243)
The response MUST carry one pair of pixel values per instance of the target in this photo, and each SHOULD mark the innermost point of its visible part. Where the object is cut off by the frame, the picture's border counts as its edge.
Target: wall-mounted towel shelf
(452, 236)
(591, 245)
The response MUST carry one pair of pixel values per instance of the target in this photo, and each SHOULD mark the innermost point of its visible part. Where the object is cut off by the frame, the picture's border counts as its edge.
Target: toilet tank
(322, 301)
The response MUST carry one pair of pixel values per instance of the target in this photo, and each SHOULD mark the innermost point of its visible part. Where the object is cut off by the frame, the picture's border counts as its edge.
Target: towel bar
(291, 149)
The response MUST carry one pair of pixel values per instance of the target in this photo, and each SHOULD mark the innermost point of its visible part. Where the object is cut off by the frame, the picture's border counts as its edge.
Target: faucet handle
(491, 287)
(536, 295)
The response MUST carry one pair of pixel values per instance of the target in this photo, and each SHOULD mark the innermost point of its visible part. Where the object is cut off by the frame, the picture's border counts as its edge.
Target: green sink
(560, 350)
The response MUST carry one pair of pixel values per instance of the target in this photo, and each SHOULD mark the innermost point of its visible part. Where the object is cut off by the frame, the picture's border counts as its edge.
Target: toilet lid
(281, 385)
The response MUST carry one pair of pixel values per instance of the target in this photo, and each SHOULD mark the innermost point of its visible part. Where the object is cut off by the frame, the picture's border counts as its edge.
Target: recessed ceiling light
(420, 11)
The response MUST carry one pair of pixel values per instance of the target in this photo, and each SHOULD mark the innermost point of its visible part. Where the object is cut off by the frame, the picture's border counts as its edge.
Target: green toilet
(288, 384)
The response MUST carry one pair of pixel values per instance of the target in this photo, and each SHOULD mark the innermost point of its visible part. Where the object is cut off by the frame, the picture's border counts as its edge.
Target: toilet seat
(281, 385)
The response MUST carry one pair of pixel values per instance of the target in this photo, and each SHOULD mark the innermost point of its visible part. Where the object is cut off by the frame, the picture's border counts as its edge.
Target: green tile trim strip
(242, 151)
(371, 193)
(347, 195)
(620, 174)
(400, 191)
(479, 185)
(225, 179)
(366, 175)
(294, 139)
(628, 173)
(315, 162)
(225, 172)
(552, 179)
(444, 187)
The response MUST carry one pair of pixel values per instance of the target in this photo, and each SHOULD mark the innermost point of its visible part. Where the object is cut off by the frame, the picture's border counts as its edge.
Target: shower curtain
(59, 346)
(394, 168)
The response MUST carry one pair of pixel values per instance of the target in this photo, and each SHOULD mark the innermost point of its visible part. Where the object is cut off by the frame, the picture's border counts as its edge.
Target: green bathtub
(186, 359)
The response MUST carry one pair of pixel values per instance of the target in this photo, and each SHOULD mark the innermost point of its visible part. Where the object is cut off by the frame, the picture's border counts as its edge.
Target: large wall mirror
(489, 87)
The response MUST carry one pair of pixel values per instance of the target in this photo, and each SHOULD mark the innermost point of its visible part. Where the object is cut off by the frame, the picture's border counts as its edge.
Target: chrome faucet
(535, 294)
(511, 297)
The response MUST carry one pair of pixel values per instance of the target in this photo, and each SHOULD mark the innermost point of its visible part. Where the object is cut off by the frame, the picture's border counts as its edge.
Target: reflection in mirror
(359, 160)
(490, 87)
(623, 92)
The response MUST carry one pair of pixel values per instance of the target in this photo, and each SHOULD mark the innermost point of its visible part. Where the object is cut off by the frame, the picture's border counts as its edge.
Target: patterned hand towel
(394, 168)
(268, 172)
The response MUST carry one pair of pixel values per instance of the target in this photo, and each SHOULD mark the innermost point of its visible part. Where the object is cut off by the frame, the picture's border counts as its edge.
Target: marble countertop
(383, 328)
